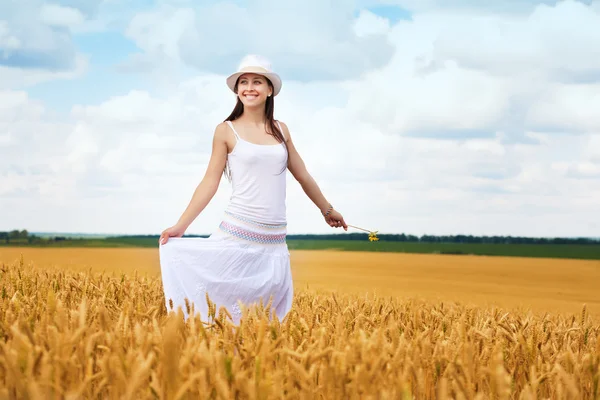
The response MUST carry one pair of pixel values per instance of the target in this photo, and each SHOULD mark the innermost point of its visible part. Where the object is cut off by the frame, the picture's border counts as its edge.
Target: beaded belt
(244, 228)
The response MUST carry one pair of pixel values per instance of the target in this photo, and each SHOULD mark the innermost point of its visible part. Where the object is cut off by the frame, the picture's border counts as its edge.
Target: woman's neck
(254, 116)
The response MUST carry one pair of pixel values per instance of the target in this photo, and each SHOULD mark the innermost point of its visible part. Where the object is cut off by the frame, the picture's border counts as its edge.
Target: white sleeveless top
(258, 178)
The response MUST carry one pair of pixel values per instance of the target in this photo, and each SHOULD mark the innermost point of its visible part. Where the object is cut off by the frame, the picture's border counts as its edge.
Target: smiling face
(253, 90)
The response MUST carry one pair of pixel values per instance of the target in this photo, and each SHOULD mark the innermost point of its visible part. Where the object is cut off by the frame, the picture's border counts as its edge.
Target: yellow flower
(372, 234)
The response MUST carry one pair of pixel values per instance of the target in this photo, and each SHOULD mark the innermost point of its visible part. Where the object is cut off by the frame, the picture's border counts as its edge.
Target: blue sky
(106, 50)
(443, 117)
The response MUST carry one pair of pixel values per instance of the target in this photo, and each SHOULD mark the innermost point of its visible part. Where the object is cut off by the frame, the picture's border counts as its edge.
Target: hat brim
(272, 76)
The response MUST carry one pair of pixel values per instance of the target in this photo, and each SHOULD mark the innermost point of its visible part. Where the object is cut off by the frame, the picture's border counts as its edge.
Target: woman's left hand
(335, 220)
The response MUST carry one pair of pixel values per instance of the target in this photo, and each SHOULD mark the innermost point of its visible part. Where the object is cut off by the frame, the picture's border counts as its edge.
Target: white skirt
(242, 262)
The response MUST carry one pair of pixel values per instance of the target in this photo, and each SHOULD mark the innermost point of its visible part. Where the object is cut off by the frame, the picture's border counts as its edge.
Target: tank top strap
(233, 129)
(281, 129)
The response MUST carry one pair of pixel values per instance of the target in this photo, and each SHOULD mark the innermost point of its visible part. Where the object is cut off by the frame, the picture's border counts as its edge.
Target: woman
(247, 258)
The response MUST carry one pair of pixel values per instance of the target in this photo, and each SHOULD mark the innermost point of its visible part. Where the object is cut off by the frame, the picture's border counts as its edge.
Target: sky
(418, 117)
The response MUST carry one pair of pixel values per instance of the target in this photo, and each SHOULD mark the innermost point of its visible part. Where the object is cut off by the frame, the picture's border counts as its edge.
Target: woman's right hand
(335, 220)
(174, 231)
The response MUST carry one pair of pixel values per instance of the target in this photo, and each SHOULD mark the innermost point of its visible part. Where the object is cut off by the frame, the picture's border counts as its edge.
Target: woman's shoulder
(222, 130)
(223, 127)
(284, 128)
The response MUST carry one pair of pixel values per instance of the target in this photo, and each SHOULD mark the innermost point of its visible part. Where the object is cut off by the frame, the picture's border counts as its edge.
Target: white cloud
(16, 77)
(438, 103)
(486, 146)
(444, 82)
(158, 31)
(567, 108)
(55, 15)
(85, 7)
(16, 106)
(487, 7)
(33, 155)
(37, 36)
(330, 49)
(409, 97)
(368, 23)
(592, 151)
(7, 39)
(81, 144)
(34, 44)
(535, 46)
(11, 182)
(5, 139)
(585, 170)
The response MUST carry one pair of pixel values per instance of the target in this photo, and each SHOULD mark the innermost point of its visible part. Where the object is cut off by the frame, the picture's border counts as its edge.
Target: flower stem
(356, 227)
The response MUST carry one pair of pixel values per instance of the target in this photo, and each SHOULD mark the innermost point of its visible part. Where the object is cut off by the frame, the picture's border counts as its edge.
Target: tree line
(423, 238)
(23, 236)
(452, 239)
(16, 235)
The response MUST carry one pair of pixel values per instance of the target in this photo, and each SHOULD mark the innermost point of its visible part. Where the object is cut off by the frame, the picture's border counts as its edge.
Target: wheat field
(71, 330)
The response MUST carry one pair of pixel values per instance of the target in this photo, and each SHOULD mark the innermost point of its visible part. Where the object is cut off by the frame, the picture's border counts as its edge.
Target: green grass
(590, 252)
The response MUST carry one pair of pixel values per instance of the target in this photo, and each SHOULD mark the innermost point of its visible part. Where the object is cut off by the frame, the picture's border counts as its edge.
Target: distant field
(586, 252)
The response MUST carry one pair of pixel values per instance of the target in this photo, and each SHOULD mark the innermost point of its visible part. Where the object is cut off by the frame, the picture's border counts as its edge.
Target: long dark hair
(272, 127)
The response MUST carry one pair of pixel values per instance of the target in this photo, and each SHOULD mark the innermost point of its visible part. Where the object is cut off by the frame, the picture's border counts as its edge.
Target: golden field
(82, 323)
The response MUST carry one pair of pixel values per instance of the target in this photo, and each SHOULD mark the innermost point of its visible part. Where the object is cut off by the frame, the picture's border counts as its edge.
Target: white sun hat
(257, 65)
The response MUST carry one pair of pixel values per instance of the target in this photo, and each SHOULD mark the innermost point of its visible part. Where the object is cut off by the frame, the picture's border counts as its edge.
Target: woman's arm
(206, 189)
(309, 185)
